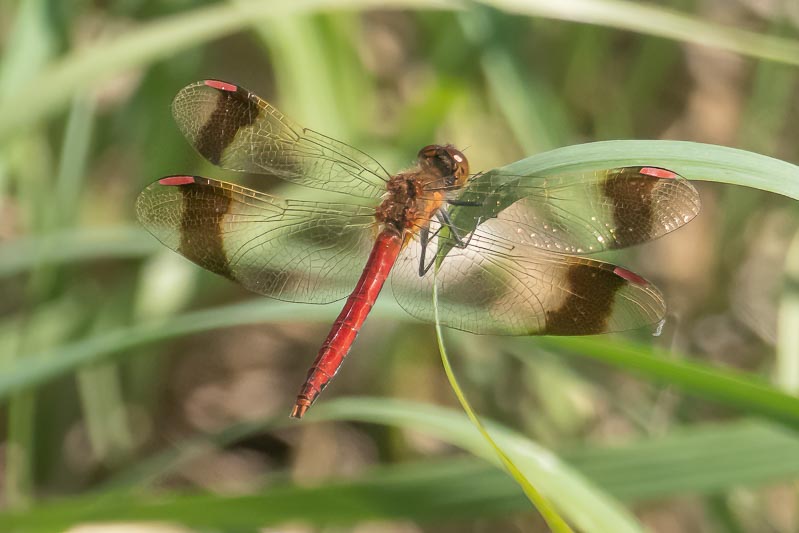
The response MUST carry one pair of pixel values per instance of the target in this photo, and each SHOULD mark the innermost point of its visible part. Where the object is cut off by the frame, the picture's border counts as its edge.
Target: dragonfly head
(448, 161)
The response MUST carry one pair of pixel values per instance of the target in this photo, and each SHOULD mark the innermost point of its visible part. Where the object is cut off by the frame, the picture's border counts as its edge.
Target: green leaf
(726, 386)
(787, 372)
(649, 19)
(700, 460)
(80, 244)
(694, 161)
(423, 492)
(520, 472)
(52, 89)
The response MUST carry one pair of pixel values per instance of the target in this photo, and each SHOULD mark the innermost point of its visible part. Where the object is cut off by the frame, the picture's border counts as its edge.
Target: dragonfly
(507, 253)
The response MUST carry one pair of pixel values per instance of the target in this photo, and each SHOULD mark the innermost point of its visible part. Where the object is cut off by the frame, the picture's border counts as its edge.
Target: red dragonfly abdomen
(337, 345)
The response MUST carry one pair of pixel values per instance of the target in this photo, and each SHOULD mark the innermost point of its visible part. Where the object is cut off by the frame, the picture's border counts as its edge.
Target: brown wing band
(234, 110)
(579, 315)
(631, 197)
(201, 227)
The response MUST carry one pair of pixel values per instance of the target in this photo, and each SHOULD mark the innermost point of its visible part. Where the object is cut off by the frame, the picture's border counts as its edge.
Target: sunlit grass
(88, 340)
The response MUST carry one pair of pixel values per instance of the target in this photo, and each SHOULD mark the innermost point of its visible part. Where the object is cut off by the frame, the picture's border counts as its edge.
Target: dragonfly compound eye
(459, 166)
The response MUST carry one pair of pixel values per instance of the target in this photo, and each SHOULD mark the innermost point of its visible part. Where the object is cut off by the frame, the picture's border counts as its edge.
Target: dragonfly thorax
(402, 203)
(413, 197)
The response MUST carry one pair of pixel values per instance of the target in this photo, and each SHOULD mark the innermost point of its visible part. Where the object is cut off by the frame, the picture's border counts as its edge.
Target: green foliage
(94, 314)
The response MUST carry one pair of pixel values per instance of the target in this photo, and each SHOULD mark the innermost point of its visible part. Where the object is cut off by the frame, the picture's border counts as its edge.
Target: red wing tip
(661, 173)
(177, 180)
(632, 277)
(222, 85)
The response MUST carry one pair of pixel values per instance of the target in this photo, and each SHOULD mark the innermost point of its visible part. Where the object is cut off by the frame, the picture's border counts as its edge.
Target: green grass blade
(34, 44)
(583, 503)
(46, 365)
(702, 460)
(420, 492)
(686, 461)
(74, 158)
(548, 512)
(80, 244)
(729, 387)
(648, 19)
(53, 88)
(695, 161)
(787, 371)
(698, 460)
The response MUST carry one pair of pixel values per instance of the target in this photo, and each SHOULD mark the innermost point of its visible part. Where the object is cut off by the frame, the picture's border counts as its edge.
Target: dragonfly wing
(491, 287)
(290, 250)
(582, 213)
(235, 129)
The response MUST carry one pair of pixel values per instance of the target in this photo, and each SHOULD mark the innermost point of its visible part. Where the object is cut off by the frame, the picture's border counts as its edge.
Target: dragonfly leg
(424, 240)
(443, 217)
(425, 237)
(465, 203)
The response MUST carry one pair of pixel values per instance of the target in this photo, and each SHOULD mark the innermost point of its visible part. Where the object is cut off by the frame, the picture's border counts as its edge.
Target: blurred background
(130, 378)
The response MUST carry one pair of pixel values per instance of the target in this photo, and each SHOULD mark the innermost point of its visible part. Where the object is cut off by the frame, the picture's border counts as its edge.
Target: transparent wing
(493, 287)
(581, 213)
(235, 129)
(290, 250)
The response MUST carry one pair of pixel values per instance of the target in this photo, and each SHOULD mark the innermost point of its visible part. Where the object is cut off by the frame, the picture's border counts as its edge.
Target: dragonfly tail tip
(299, 410)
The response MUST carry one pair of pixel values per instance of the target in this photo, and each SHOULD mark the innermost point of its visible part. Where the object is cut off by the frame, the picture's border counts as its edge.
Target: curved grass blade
(650, 19)
(694, 161)
(587, 506)
(548, 512)
(52, 89)
(684, 462)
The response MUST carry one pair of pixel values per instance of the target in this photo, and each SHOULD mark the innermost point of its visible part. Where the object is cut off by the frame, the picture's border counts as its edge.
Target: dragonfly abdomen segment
(346, 327)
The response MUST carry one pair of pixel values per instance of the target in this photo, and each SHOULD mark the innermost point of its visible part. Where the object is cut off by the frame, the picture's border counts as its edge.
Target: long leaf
(521, 475)
(53, 88)
(695, 161)
(701, 460)
(726, 386)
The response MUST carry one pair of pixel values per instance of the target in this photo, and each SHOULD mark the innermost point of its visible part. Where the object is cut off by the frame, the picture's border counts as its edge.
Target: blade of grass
(729, 387)
(420, 492)
(29, 45)
(649, 19)
(73, 159)
(787, 370)
(533, 112)
(686, 461)
(697, 460)
(52, 88)
(548, 512)
(78, 244)
(695, 161)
